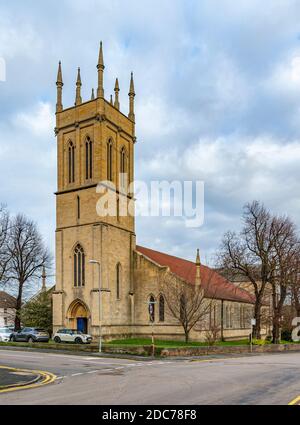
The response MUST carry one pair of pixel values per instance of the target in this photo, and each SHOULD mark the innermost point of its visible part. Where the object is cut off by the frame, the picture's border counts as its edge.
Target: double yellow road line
(45, 379)
(295, 402)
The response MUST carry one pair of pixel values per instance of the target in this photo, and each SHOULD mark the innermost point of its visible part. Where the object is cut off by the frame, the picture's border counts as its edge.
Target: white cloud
(40, 120)
(17, 37)
(218, 98)
(285, 77)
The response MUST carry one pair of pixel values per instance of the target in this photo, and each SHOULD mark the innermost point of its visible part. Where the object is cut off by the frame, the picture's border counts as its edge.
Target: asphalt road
(252, 380)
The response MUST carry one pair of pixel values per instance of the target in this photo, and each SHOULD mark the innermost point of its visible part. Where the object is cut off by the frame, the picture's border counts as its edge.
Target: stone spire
(111, 99)
(44, 280)
(93, 95)
(78, 99)
(59, 85)
(198, 269)
(117, 91)
(100, 67)
(131, 95)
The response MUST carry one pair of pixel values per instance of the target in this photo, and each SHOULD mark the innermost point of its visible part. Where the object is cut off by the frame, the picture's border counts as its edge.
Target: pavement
(246, 380)
(16, 378)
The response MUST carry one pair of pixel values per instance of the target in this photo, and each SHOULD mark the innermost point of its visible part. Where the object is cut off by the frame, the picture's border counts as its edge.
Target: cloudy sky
(218, 100)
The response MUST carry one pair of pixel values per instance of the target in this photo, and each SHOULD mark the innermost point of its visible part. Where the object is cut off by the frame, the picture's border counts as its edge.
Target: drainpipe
(222, 320)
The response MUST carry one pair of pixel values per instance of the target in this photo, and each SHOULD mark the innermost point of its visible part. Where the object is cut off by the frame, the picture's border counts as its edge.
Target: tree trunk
(187, 335)
(18, 308)
(276, 329)
(257, 314)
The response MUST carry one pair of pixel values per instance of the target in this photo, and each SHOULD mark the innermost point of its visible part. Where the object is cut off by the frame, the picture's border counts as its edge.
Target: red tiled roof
(6, 300)
(215, 285)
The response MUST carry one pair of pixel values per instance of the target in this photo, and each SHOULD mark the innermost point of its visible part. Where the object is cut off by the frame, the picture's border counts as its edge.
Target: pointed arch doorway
(78, 315)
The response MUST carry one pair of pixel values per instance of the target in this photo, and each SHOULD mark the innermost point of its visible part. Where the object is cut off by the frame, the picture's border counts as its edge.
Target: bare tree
(28, 256)
(294, 290)
(186, 302)
(285, 256)
(212, 335)
(4, 257)
(248, 254)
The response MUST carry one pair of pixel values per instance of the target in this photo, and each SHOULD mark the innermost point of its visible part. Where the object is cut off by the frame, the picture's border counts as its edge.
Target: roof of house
(6, 300)
(215, 286)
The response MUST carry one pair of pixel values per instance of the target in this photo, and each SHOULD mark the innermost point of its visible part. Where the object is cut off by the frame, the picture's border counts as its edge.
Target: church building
(104, 280)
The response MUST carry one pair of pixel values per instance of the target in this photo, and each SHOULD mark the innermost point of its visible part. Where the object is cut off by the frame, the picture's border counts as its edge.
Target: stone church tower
(95, 143)
(95, 162)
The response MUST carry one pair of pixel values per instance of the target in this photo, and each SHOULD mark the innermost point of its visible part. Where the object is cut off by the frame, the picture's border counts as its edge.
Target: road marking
(77, 374)
(48, 378)
(295, 402)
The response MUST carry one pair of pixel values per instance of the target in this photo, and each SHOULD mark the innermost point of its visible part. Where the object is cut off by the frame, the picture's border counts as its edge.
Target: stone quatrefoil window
(79, 267)
(88, 158)
(71, 162)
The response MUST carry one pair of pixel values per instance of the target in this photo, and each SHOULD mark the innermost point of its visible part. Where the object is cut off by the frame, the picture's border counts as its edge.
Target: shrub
(261, 342)
(286, 335)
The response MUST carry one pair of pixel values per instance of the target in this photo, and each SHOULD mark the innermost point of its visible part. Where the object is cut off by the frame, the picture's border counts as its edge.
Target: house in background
(7, 309)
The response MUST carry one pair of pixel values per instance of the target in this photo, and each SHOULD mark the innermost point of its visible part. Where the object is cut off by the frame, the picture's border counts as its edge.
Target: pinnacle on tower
(131, 91)
(78, 99)
(111, 99)
(100, 67)
(93, 95)
(59, 85)
(117, 91)
(198, 261)
(131, 95)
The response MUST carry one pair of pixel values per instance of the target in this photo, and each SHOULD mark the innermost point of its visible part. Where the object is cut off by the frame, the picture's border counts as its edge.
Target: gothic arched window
(182, 308)
(123, 167)
(79, 266)
(118, 281)
(161, 308)
(227, 316)
(110, 160)
(88, 158)
(71, 162)
(78, 207)
(151, 308)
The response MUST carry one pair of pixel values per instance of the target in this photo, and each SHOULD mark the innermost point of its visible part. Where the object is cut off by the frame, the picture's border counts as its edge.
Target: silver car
(5, 334)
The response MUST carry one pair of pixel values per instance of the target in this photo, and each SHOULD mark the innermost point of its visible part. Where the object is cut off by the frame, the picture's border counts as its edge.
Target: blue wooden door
(82, 325)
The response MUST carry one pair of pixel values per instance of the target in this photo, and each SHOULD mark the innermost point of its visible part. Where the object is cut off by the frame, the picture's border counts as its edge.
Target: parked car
(70, 335)
(5, 334)
(30, 335)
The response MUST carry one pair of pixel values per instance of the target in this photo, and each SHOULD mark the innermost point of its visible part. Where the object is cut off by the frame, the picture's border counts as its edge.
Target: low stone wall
(237, 349)
(131, 350)
(200, 351)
